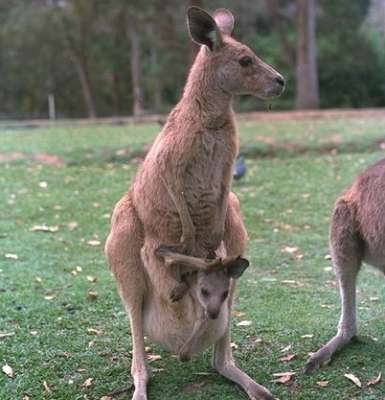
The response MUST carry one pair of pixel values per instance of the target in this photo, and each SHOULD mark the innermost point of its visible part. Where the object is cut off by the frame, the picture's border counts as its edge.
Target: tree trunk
(137, 92)
(81, 65)
(277, 24)
(306, 72)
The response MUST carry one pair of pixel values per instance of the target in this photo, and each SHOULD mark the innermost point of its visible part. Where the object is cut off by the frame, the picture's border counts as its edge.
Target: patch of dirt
(40, 158)
(284, 148)
(161, 118)
(314, 114)
(191, 388)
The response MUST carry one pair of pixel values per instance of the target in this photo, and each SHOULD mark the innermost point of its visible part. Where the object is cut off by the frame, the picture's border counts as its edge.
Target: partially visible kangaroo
(357, 235)
(193, 155)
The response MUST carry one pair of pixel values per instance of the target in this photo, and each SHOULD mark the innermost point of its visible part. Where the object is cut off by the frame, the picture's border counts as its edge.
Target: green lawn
(63, 334)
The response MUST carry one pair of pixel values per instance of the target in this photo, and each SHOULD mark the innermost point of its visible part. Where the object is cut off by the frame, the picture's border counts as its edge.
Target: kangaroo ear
(203, 28)
(237, 268)
(225, 20)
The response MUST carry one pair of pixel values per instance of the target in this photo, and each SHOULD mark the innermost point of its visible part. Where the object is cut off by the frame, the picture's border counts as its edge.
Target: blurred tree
(136, 71)
(306, 65)
(351, 73)
(77, 20)
(83, 53)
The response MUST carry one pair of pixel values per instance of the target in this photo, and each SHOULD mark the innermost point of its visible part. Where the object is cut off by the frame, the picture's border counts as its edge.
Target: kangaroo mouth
(271, 93)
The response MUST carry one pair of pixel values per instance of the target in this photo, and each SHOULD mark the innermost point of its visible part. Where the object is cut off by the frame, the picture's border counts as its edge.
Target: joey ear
(203, 28)
(237, 268)
(225, 20)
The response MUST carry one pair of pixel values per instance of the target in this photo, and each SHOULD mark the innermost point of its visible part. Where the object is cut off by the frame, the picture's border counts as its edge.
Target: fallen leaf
(374, 299)
(307, 336)
(5, 335)
(94, 331)
(78, 269)
(244, 323)
(46, 387)
(72, 225)
(328, 257)
(92, 294)
(354, 379)
(11, 256)
(285, 349)
(91, 278)
(192, 387)
(322, 383)
(33, 333)
(43, 185)
(87, 383)
(238, 313)
(153, 357)
(234, 345)
(157, 370)
(38, 279)
(106, 398)
(8, 371)
(94, 242)
(44, 228)
(375, 380)
(283, 377)
(290, 249)
(63, 354)
(50, 296)
(288, 357)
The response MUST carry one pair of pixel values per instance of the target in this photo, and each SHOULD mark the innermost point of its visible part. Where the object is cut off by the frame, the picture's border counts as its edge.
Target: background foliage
(81, 52)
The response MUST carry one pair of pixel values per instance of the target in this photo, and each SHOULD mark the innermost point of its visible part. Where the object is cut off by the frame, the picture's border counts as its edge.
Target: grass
(63, 336)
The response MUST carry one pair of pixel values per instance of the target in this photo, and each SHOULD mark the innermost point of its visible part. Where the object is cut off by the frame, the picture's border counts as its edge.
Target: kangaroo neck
(203, 98)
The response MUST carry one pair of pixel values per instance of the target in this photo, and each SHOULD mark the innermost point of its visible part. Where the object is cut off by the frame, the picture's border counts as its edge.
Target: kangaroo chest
(207, 175)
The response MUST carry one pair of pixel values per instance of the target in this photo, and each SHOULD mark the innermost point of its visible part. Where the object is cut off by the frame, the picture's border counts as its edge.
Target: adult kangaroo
(181, 194)
(357, 235)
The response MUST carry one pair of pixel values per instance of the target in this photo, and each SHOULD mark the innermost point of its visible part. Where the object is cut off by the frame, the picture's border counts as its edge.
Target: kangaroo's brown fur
(357, 235)
(183, 188)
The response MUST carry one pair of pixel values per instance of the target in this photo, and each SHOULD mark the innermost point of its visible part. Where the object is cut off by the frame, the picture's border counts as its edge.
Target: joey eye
(245, 61)
(205, 293)
(225, 294)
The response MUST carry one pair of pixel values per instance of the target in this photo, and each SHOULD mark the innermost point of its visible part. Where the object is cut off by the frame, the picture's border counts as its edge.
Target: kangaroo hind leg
(122, 250)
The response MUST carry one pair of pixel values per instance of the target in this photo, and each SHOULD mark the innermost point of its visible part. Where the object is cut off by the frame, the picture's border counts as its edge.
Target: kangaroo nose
(279, 79)
(213, 314)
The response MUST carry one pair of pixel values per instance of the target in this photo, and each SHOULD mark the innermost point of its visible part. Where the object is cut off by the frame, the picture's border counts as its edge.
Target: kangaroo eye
(205, 293)
(225, 294)
(245, 61)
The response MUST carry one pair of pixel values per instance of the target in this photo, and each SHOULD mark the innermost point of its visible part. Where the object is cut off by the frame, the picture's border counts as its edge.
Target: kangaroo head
(212, 286)
(234, 66)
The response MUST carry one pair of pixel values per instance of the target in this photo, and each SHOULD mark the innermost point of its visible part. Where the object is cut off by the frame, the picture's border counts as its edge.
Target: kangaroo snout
(280, 80)
(277, 87)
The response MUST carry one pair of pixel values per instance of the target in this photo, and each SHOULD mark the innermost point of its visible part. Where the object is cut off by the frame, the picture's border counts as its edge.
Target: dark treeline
(119, 57)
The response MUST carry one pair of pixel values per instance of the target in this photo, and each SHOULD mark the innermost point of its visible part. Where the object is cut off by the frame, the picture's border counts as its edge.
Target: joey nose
(279, 79)
(213, 314)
